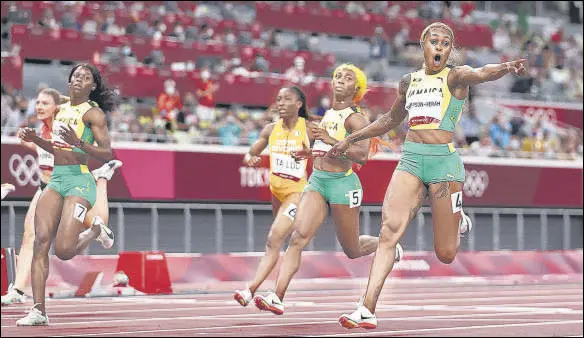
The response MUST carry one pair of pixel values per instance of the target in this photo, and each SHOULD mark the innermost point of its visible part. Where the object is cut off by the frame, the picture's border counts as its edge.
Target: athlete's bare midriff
(434, 136)
(335, 165)
(64, 157)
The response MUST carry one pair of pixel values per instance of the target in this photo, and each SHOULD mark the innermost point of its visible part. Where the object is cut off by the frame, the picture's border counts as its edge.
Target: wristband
(80, 144)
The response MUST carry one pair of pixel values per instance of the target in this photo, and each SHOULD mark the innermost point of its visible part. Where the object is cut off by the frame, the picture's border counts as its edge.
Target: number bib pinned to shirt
(286, 167)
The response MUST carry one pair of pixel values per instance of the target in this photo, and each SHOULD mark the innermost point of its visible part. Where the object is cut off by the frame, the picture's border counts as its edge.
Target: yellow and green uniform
(73, 180)
(431, 106)
(336, 188)
(287, 175)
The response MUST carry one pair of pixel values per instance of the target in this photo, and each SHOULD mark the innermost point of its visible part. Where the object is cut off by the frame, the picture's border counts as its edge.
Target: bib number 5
(355, 198)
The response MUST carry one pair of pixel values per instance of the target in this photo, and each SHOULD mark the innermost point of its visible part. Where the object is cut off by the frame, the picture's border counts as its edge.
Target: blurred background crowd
(542, 32)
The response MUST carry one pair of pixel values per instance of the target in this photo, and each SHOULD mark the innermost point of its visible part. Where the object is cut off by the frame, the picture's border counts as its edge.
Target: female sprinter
(46, 107)
(71, 192)
(287, 179)
(332, 182)
(433, 98)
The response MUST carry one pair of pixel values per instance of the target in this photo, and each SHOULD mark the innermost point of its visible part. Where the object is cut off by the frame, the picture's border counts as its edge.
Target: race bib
(290, 211)
(286, 167)
(56, 134)
(79, 212)
(320, 148)
(456, 200)
(355, 198)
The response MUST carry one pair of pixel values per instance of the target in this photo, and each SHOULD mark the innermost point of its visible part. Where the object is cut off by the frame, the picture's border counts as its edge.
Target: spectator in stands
(483, 148)
(128, 55)
(11, 116)
(296, 73)
(92, 25)
(398, 43)
(260, 63)
(431, 10)
(181, 130)
(70, 18)
(229, 37)
(157, 31)
(110, 27)
(205, 94)
(159, 132)
(467, 8)
(178, 32)
(560, 76)
(378, 66)
(206, 33)
(272, 39)
(355, 8)
(169, 103)
(229, 128)
(576, 90)
(235, 67)
(323, 105)
(500, 131)
(155, 59)
(471, 126)
(501, 37)
(302, 41)
(251, 132)
(48, 20)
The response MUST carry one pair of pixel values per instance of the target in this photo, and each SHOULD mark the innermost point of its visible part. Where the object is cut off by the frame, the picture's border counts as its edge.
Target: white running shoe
(362, 318)
(399, 253)
(271, 303)
(107, 170)
(13, 297)
(6, 189)
(243, 297)
(465, 224)
(33, 318)
(106, 236)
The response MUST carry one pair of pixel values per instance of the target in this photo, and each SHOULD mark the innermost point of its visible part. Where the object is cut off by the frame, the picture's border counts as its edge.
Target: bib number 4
(456, 200)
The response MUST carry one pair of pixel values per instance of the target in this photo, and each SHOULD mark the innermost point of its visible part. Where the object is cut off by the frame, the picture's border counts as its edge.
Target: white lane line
(138, 301)
(550, 307)
(310, 313)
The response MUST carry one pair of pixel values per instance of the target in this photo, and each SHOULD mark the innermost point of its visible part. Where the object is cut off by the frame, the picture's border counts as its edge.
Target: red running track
(408, 307)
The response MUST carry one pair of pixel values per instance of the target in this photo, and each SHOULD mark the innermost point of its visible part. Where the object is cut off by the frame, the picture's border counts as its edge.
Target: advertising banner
(154, 172)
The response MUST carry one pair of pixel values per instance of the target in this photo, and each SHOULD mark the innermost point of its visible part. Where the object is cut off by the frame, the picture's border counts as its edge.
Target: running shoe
(360, 318)
(107, 170)
(243, 297)
(271, 302)
(106, 236)
(34, 318)
(399, 253)
(13, 296)
(465, 224)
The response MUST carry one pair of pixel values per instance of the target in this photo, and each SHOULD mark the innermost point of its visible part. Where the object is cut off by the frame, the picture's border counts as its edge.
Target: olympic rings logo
(25, 169)
(476, 183)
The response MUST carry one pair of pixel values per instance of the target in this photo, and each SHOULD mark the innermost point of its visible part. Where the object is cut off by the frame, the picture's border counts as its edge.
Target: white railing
(483, 218)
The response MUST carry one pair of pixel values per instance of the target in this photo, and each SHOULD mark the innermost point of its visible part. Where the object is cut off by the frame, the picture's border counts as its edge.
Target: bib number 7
(355, 198)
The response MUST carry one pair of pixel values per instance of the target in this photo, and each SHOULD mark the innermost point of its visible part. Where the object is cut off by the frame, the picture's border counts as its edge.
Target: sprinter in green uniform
(332, 182)
(433, 97)
(79, 131)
